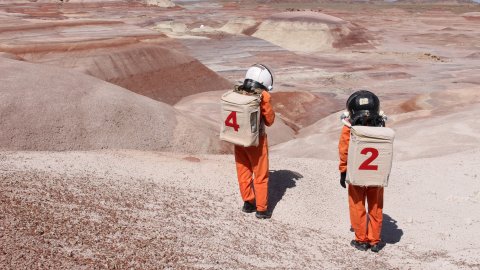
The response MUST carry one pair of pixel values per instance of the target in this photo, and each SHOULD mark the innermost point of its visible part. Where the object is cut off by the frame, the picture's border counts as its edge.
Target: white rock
(160, 3)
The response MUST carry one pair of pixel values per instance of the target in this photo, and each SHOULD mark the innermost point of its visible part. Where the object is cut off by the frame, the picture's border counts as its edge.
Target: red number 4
(231, 121)
(366, 164)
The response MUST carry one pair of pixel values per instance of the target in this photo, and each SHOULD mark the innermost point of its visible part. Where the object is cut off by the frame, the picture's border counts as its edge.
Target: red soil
(300, 109)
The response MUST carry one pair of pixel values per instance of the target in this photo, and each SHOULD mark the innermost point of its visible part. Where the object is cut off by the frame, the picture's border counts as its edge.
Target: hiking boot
(249, 207)
(363, 246)
(376, 248)
(263, 214)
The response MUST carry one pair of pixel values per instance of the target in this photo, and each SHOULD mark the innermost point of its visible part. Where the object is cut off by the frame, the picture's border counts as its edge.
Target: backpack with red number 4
(240, 118)
(370, 154)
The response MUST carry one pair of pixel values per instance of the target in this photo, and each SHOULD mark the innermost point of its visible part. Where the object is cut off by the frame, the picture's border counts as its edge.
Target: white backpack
(370, 154)
(240, 118)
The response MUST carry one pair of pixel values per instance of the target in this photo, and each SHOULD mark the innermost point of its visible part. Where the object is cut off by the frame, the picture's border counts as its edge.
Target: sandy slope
(48, 108)
(143, 68)
(151, 209)
(427, 125)
(124, 54)
(308, 31)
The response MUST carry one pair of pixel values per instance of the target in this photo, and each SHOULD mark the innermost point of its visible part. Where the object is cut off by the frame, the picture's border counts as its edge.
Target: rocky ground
(122, 209)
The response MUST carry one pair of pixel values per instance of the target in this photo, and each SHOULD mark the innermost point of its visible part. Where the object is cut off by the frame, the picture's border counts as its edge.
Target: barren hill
(50, 108)
(138, 59)
(308, 31)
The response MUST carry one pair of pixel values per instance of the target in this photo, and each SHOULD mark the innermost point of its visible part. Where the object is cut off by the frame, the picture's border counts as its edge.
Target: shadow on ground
(278, 183)
(391, 234)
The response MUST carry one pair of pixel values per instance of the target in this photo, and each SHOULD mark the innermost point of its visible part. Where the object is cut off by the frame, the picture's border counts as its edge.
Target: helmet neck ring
(366, 118)
(250, 85)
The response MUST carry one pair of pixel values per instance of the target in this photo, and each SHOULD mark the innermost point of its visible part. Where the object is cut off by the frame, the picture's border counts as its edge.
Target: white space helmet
(258, 76)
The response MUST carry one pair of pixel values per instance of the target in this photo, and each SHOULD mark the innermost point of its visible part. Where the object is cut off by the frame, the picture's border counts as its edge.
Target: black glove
(343, 175)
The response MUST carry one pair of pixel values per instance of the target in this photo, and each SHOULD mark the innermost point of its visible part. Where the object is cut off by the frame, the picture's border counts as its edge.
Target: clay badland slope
(151, 70)
(50, 108)
(308, 31)
(135, 58)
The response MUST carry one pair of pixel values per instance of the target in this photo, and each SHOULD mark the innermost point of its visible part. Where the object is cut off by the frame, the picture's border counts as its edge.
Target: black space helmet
(364, 107)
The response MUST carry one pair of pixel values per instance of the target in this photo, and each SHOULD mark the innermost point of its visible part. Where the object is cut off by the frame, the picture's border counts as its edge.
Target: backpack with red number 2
(240, 118)
(370, 154)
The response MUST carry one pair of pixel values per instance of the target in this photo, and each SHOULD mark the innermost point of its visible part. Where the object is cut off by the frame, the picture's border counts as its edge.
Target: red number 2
(231, 121)
(366, 164)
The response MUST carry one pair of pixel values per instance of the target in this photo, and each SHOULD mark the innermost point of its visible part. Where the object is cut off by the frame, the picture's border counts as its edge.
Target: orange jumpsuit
(253, 160)
(364, 232)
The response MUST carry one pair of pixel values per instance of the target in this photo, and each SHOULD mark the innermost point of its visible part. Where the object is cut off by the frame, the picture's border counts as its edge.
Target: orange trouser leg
(358, 214)
(375, 213)
(253, 159)
(356, 199)
(244, 174)
(260, 168)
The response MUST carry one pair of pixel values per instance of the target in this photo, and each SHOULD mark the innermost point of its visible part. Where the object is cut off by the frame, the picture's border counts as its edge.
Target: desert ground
(110, 155)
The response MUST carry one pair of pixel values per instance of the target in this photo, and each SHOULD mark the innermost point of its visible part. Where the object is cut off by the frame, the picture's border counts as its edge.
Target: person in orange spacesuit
(363, 109)
(252, 162)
